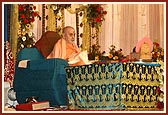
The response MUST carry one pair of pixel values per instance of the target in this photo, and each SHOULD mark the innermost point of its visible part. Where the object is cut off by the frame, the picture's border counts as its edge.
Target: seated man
(66, 48)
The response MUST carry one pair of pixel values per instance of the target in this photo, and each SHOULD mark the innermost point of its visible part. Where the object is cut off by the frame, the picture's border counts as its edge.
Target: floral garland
(158, 56)
(58, 7)
(115, 54)
(9, 65)
(59, 16)
(158, 52)
(27, 15)
(95, 15)
(95, 53)
(160, 89)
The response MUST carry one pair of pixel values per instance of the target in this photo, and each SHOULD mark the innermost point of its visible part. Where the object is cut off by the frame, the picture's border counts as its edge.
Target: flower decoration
(95, 53)
(26, 17)
(26, 41)
(160, 89)
(95, 15)
(57, 7)
(158, 52)
(27, 14)
(115, 54)
(57, 10)
(160, 103)
(9, 63)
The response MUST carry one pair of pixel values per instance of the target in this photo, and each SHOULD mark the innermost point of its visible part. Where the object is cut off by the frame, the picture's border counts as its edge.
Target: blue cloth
(29, 54)
(95, 86)
(147, 63)
(107, 86)
(43, 78)
(6, 22)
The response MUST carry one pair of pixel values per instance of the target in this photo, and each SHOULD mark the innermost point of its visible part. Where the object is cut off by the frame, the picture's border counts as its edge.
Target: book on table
(34, 106)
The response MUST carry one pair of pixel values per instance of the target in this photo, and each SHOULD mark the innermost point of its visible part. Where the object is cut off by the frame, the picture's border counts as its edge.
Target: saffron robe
(64, 50)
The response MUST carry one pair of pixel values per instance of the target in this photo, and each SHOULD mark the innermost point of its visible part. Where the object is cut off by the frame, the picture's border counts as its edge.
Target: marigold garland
(26, 17)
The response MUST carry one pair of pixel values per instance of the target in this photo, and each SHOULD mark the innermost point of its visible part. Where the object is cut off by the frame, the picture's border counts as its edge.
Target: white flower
(30, 34)
(23, 29)
(28, 26)
(24, 38)
(160, 99)
(54, 7)
(161, 87)
(22, 45)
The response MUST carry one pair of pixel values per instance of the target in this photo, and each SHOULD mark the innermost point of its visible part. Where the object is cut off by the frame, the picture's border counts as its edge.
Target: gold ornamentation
(13, 30)
(51, 20)
(142, 91)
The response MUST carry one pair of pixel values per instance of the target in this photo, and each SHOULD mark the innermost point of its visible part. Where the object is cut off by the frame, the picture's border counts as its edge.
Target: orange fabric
(71, 49)
(59, 50)
(64, 50)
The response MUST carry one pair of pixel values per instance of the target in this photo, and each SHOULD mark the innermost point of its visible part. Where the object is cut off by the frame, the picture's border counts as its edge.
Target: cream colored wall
(126, 24)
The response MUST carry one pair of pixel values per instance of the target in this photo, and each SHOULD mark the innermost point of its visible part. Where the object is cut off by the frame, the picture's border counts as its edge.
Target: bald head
(66, 28)
(69, 34)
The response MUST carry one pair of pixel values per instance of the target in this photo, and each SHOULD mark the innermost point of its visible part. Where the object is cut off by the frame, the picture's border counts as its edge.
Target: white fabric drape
(37, 25)
(126, 24)
(70, 19)
(107, 30)
(128, 35)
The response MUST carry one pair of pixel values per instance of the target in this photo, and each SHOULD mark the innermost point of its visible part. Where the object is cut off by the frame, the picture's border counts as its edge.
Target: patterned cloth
(139, 84)
(112, 86)
(95, 86)
(9, 65)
